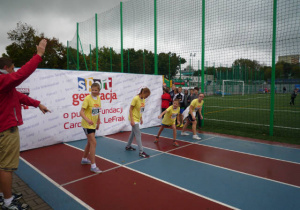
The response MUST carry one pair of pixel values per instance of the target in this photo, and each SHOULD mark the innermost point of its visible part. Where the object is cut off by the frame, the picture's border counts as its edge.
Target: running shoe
(17, 196)
(178, 125)
(96, 170)
(184, 134)
(181, 126)
(130, 148)
(196, 137)
(84, 162)
(175, 144)
(156, 140)
(16, 205)
(144, 155)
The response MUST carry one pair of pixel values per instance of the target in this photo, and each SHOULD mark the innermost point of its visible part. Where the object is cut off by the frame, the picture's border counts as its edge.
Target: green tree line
(24, 39)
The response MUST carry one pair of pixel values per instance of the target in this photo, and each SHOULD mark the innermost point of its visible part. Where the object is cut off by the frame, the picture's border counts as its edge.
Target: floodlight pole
(273, 68)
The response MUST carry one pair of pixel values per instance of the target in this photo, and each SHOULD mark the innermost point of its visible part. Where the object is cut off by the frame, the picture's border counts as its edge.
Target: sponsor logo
(84, 84)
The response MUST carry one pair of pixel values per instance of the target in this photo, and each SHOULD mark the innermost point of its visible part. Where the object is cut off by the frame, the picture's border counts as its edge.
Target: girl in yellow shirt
(90, 113)
(170, 115)
(135, 117)
(196, 106)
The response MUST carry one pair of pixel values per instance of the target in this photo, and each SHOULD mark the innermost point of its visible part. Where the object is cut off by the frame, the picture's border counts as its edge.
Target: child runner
(90, 113)
(196, 106)
(169, 120)
(135, 117)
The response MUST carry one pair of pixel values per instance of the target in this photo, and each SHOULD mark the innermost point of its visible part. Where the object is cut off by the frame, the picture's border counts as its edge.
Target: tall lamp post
(191, 64)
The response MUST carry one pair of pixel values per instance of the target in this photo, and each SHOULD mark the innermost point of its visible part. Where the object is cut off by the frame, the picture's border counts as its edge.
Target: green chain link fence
(248, 51)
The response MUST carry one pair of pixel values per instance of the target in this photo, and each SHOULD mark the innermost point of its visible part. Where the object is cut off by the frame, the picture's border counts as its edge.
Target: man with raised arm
(11, 118)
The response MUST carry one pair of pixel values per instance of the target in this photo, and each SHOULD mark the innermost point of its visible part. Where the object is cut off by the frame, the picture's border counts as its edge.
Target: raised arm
(12, 80)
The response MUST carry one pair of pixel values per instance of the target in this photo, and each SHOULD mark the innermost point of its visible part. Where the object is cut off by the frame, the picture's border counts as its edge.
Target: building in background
(292, 59)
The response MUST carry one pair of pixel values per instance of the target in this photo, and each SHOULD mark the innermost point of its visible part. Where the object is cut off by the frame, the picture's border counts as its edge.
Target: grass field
(249, 116)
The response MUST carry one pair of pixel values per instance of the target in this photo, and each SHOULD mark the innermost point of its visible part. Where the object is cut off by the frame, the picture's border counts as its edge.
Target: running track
(214, 173)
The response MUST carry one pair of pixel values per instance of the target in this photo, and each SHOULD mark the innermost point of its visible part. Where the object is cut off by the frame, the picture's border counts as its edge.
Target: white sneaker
(184, 134)
(96, 170)
(196, 137)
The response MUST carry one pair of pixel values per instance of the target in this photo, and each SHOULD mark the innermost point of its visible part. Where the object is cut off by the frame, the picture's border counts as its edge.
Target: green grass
(249, 116)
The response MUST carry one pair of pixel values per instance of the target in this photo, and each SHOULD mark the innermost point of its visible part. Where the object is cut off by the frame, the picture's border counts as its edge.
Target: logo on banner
(84, 84)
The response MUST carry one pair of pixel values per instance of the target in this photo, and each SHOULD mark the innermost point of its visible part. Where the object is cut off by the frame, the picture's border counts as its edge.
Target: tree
(247, 63)
(24, 40)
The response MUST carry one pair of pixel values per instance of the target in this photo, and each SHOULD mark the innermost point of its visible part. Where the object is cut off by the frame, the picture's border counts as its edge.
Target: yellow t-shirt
(196, 105)
(170, 116)
(92, 111)
(138, 108)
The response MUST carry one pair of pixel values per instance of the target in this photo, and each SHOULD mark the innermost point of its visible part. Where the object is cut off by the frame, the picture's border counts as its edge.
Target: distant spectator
(293, 96)
(284, 89)
(164, 85)
(187, 98)
(195, 94)
(172, 93)
(180, 97)
(166, 99)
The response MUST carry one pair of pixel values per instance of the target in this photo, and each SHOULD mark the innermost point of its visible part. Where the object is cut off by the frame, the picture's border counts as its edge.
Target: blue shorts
(166, 125)
(181, 110)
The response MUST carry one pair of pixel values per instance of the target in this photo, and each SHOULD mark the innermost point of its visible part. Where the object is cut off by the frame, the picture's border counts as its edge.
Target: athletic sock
(8, 201)
(93, 165)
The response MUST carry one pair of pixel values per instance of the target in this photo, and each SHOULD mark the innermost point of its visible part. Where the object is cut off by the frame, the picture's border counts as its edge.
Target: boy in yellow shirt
(196, 106)
(135, 117)
(90, 113)
(170, 115)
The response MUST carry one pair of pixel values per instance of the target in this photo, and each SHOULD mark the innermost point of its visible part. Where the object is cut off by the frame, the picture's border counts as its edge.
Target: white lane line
(155, 178)
(57, 185)
(198, 161)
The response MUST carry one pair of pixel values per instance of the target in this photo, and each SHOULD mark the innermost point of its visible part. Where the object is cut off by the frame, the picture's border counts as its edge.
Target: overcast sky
(54, 18)
(233, 29)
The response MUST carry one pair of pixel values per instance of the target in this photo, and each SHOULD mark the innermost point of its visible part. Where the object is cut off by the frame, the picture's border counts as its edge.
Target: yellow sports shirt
(138, 108)
(92, 110)
(170, 116)
(196, 105)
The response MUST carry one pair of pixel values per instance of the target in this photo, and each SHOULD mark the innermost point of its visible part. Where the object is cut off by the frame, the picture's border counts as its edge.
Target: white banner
(63, 93)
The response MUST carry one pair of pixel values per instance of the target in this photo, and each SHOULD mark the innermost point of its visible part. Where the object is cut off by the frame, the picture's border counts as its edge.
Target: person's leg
(185, 125)
(93, 143)
(138, 138)
(162, 127)
(174, 132)
(181, 119)
(9, 161)
(293, 101)
(178, 119)
(131, 136)
(86, 150)
(194, 126)
(175, 143)
(6, 183)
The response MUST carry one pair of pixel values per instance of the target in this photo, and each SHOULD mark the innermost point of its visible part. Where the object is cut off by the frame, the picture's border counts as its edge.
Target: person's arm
(98, 122)
(131, 115)
(85, 117)
(26, 100)
(200, 113)
(12, 80)
(164, 112)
